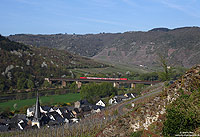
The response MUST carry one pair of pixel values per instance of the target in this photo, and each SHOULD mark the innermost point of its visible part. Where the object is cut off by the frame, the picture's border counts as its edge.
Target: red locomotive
(103, 78)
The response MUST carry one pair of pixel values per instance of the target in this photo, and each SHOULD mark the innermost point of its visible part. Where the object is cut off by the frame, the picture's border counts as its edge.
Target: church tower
(37, 115)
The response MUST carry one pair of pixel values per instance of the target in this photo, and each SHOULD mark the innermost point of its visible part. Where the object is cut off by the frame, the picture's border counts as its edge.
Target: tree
(2, 86)
(73, 87)
(21, 83)
(45, 84)
(30, 84)
(93, 92)
(167, 70)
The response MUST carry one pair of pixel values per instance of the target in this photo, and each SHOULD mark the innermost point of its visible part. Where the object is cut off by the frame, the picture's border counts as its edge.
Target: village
(39, 116)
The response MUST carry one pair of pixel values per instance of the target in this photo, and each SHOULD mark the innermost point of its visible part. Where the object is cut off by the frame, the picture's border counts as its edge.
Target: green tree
(21, 83)
(167, 70)
(73, 86)
(93, 92)
(30, 84)
(2, 87)
(46, 84)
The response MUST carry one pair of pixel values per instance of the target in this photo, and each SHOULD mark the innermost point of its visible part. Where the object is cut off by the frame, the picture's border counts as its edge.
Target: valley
(160, 55)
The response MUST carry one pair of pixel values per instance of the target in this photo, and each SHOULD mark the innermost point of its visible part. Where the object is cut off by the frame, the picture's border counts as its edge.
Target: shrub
(182, 115)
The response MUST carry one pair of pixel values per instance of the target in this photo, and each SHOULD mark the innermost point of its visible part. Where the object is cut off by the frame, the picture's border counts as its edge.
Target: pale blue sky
(95, 16)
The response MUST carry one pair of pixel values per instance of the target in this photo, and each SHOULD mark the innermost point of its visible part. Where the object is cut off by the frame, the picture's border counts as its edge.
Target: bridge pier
(79, 84)
(64, 83)
(133, 85)
(116, 84)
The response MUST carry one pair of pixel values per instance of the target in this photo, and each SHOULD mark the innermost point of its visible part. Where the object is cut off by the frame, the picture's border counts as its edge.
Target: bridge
(116, 83)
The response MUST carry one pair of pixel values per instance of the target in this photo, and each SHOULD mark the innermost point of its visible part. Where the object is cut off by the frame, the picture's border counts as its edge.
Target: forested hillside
(180, 46)
(25, 67)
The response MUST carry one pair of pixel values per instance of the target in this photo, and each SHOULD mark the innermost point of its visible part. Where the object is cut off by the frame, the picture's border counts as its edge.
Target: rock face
(152, 110)
(181, 46)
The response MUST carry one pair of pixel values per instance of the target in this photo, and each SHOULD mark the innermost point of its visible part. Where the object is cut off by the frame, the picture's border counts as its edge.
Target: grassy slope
(116, 68)
(70, 97)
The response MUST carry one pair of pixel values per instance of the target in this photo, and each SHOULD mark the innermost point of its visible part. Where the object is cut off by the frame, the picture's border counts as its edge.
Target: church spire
(37, 109)
(37, 116)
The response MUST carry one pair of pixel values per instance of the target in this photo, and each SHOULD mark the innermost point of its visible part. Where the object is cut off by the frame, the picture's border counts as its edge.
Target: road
(152, 92)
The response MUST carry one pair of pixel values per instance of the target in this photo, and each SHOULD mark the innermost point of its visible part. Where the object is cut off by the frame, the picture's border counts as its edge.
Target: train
(96, 78)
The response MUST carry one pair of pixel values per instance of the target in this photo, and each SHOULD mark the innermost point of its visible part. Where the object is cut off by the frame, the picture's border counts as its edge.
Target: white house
(129, 95)
(114, 100)
(30, 111)
(100, 103)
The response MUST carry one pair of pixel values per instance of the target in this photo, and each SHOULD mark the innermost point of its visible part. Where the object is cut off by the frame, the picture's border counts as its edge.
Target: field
(114, 69)
(51, 100)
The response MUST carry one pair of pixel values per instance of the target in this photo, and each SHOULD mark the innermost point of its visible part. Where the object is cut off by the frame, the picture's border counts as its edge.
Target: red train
(103, 78)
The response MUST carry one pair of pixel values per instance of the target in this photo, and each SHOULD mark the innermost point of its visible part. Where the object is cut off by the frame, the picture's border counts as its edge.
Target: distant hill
(23, 66)
(160, 29)
(180, 46)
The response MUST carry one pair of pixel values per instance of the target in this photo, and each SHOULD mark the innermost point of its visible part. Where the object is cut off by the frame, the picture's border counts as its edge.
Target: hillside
(180, 46)
(23, 66)
(175, 111)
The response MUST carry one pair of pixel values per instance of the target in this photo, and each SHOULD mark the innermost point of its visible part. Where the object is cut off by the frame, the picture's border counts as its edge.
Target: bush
(183, 115)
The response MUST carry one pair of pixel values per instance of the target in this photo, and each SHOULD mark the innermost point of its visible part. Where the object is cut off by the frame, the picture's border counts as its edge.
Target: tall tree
(167, 70)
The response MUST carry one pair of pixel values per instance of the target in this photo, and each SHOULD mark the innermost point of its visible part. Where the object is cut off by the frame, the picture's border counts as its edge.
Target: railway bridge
(116, 82)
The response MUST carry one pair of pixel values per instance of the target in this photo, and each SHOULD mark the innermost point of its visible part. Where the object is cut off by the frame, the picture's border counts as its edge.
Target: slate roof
(53, 123)
(76, 110)
(86, 108)
(4, 121)
(84, 102)
(17, 118)
(56, 116)
(4, 128)
(22, 124)
(46, 108)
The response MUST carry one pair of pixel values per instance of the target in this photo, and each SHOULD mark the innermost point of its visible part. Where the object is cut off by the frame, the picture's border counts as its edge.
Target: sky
(95, 16)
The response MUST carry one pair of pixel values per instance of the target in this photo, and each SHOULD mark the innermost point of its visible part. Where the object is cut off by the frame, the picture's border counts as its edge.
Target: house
(3, 121)
(100, 103)
(22, 124)
(45, 109)
(19, 121)
(122, 97)
(53, 123)
(56, 117)
(81, 103)
(83, 106)
(115, 100)
(30, 112)
(65, 113)
(96, 109)
(4, 128)
(130, 95)
(111, 101)
(76, 112)
(86, 108)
